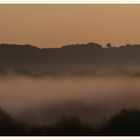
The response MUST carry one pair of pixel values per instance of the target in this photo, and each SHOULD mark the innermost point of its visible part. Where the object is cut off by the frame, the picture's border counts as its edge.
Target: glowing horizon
(50, 26)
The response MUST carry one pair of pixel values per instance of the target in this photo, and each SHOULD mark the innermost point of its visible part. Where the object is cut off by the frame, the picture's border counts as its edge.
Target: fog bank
(46, 100)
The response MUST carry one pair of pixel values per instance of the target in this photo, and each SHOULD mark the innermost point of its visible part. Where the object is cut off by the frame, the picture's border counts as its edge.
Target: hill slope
(70, 58)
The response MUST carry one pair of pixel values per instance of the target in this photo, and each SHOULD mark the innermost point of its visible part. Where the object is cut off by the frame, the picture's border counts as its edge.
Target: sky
(56, 25)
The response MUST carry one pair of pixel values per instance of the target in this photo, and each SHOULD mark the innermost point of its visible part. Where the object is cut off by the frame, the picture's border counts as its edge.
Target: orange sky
(57, 25)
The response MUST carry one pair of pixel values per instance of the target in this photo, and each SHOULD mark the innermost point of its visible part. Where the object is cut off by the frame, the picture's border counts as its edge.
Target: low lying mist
(45, 100)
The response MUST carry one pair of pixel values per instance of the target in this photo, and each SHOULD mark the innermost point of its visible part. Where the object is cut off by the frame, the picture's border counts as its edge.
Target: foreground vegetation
(125, 123)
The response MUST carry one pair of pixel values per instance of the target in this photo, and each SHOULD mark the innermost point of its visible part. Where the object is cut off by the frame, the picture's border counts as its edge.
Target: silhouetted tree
(127, 122)
(10, 126)
(108, 45)
(71, 127)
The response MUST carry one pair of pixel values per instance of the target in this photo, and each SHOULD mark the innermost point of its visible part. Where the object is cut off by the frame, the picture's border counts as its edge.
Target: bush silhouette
(127, 122)
(10, 126)
(108, 45)
(66, 126)
(70, 127)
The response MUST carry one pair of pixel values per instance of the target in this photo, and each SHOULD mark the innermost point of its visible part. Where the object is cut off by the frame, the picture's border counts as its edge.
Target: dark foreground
(125, 123)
